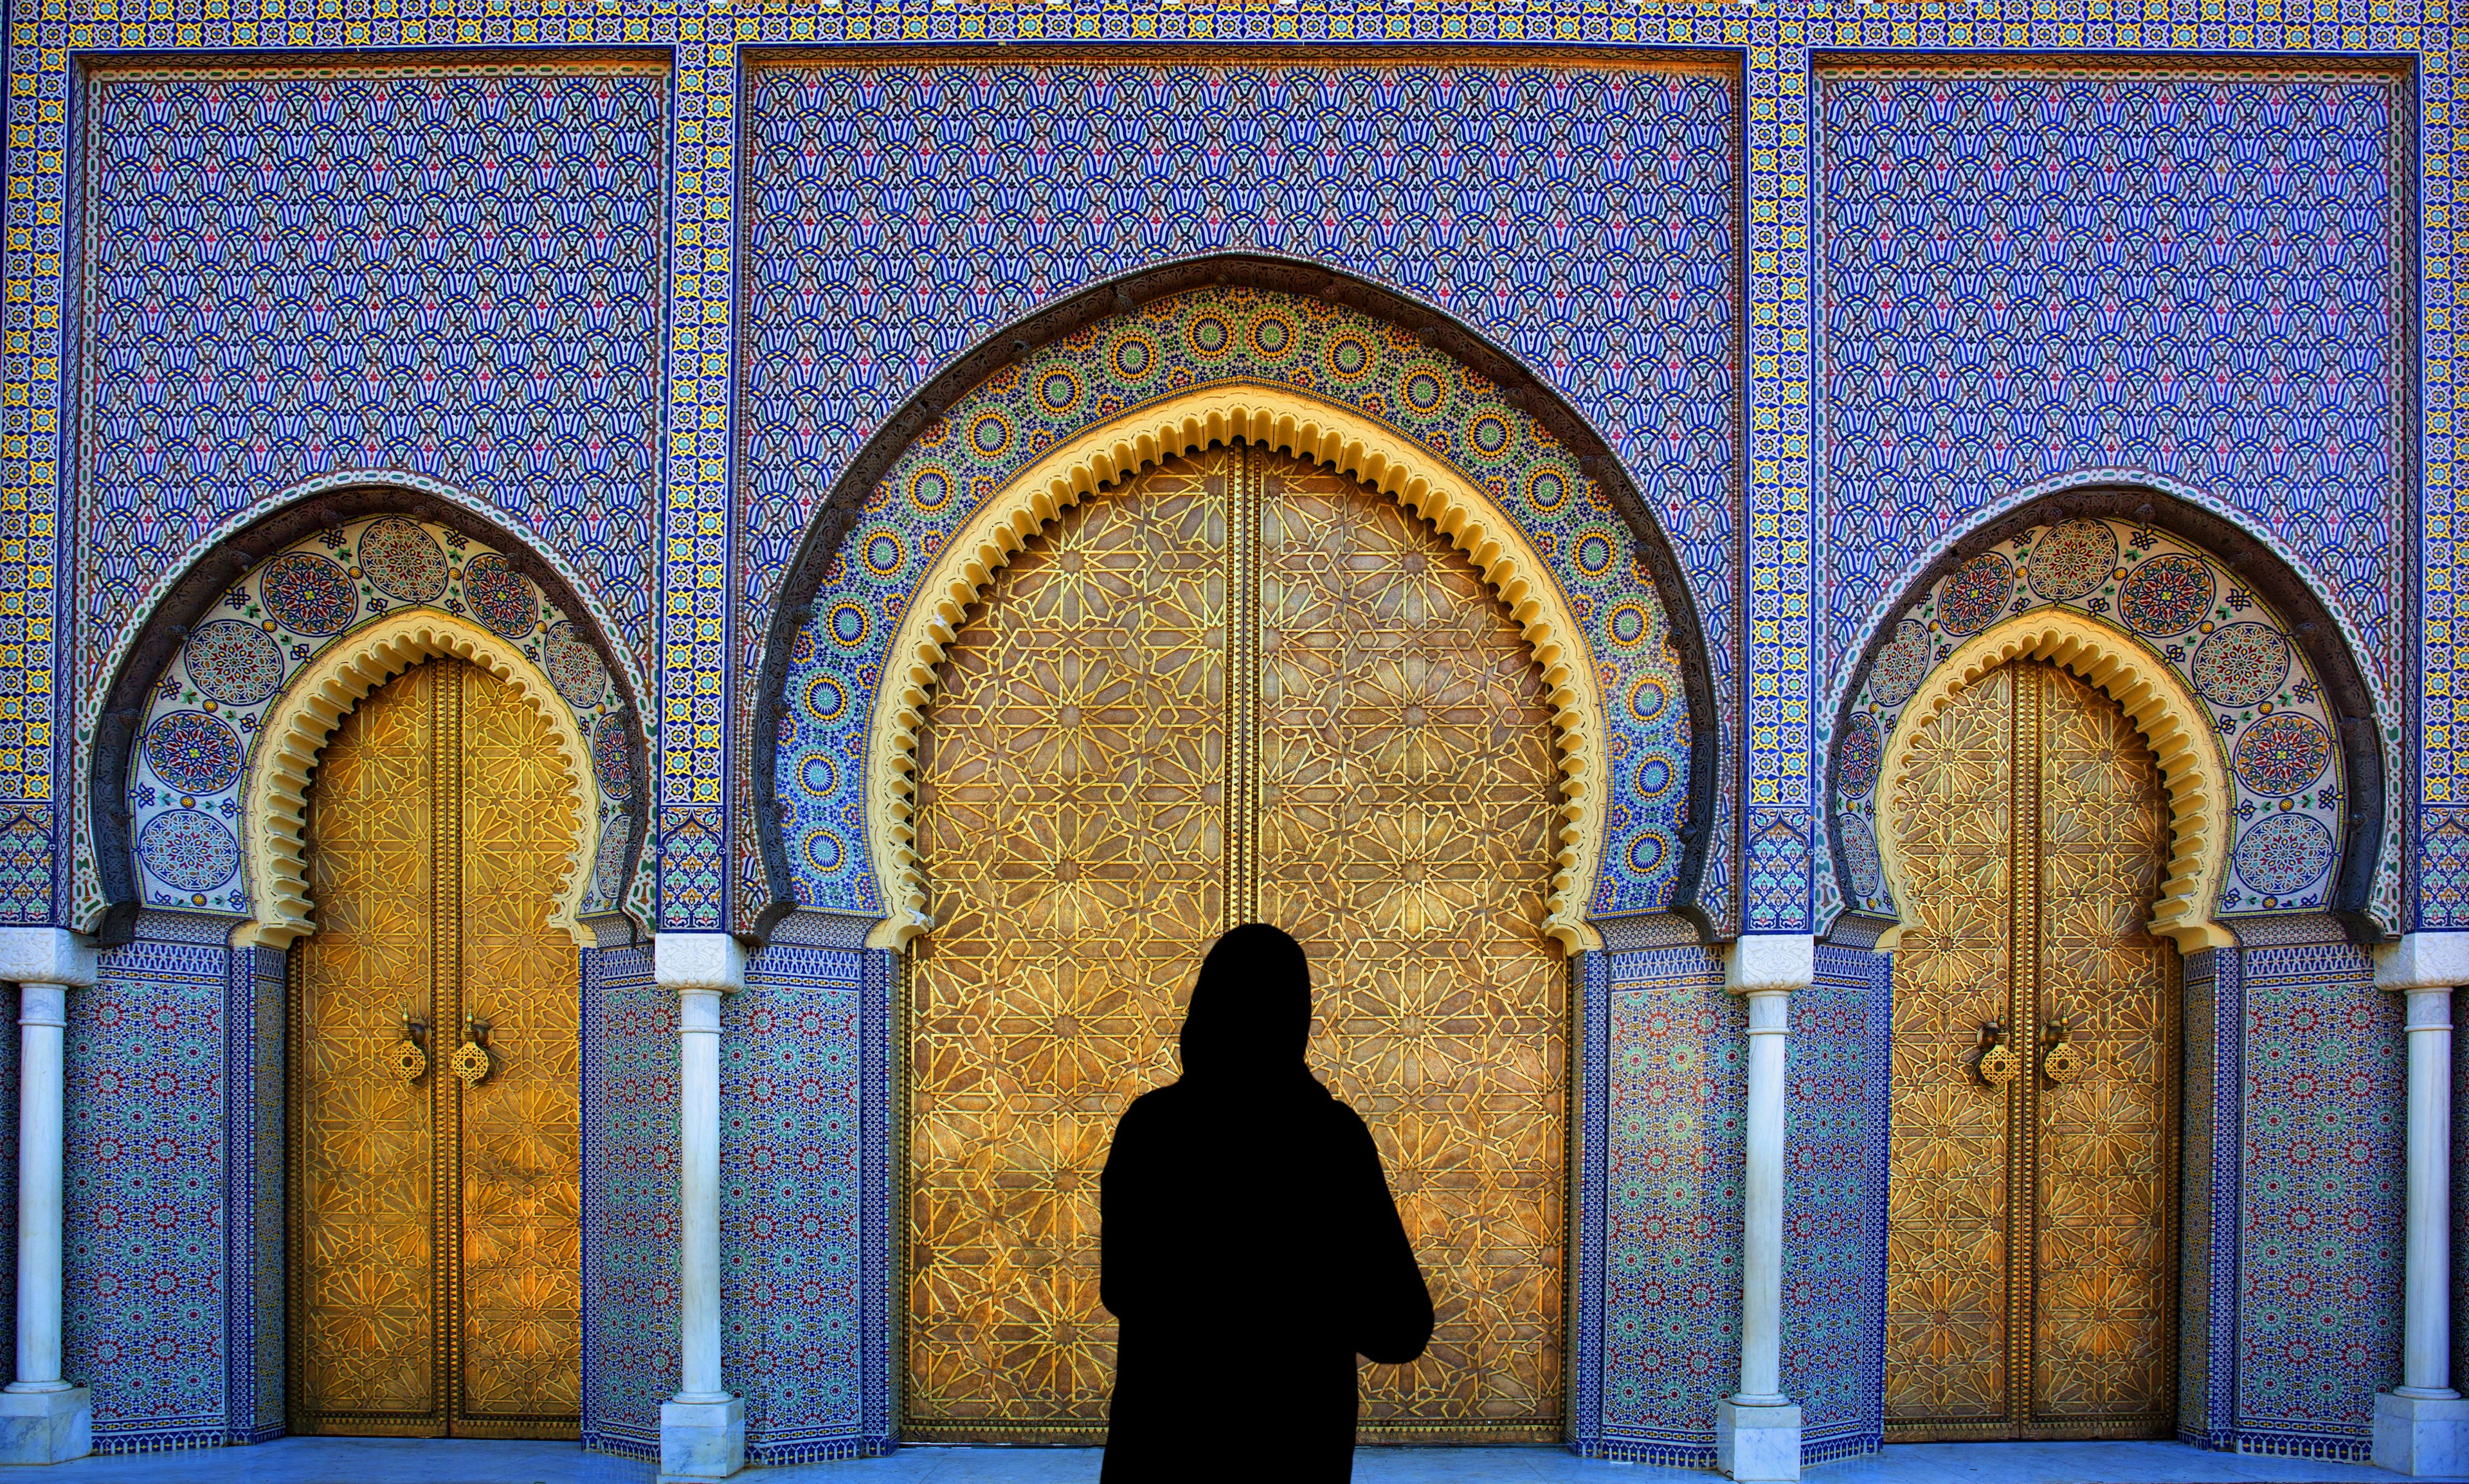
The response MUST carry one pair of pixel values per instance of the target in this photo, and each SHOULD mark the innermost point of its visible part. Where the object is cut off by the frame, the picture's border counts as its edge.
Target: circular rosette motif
(1861, 859)
(188, 849)
(234, 663)
(1902, 665)
(2167, 594)
(401, 560)
(608, 862)
(2281, 754)
(1972, 597)
(307, 594)
(574, 668)
(1857, 758)
(609, 755)
(2283, 854)
(2074, 557)
(501, 598)
(2241, 663)
(193, 751)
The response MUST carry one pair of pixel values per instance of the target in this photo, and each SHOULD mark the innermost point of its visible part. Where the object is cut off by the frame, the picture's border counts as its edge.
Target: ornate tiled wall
(2320, 1209)
(804, 1234)
(2211, 1124)
(1835, 1127)
(173, 1291)
(1167, 347)
(2275, 728)
(192, 753)
(1672, 1197)
(8, 1167)
(630, 1201)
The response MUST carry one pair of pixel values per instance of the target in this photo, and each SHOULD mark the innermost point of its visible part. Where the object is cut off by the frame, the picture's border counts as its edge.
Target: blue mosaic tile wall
(8, 1167)
(1582, 218)
(1671, 1229)
(2032, 273)
(2324, 1193)
(630, 1201)
(144, 1319)
(794, 1218)
(2210, 1123)
(1837, 1111)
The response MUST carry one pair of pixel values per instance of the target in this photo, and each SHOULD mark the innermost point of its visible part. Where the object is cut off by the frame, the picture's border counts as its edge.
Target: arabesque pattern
(1240, 686)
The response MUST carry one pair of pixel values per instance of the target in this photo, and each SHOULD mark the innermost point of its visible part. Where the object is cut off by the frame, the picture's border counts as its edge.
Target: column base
(701, 1440)
(2422, 1435)
(46, 1427)
(1757, 1443)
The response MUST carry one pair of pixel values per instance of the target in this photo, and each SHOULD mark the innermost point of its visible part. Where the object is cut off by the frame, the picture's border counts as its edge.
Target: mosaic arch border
(866, 487)
(104, 886)
(2365, 890)
(1290, 421)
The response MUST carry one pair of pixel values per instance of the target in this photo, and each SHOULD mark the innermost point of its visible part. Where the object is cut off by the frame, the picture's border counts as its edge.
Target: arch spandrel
(218, 761)
(1331, 382)
(2299, 795)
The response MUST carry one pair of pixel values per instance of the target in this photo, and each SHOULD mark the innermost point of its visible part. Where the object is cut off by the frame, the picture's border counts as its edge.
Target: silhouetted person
(1248, 1245)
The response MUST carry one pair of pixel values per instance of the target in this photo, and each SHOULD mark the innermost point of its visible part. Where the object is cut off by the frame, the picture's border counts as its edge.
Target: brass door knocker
(471, 1060)
(1995, 1061)
(2058, 1062)
(408, 1058)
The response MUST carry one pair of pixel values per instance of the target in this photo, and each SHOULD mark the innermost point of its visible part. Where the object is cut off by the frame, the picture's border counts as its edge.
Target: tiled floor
(394, 1461)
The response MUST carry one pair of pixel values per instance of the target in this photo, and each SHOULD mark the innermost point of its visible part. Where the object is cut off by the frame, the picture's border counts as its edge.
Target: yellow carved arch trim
(1278, 418)
(275, 807)
(2173, 723)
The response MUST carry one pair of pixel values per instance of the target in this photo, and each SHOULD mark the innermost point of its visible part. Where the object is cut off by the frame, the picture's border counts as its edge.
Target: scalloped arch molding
(275, 807)
(1278, 418)
(2170, 719)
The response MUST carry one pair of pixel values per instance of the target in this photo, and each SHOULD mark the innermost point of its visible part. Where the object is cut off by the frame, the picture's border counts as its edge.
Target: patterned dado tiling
(190, 761)
(1331, 353)
(2234, 653)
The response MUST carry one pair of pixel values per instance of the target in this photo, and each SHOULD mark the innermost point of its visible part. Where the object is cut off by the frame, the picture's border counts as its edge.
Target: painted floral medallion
(189, 849)
(309, 593)
(573, 667)
(234, 663)
(1974, 595)
(501, 598)
(1855, 764)
(2240, 664)
(193, 751)
(2280, 754)
(402, 560)
(2167, 594)
(2072, 559)
(1902, 665)
(2284, 854)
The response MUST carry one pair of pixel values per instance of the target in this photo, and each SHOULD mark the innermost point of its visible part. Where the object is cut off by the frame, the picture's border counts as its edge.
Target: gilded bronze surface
(435, 1219)
(1238, 687)
(2035, 837)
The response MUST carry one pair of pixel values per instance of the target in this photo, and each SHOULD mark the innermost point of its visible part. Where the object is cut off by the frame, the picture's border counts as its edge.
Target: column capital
(46, 956)
(2423, 960)
(682, 962)
(1769, 963)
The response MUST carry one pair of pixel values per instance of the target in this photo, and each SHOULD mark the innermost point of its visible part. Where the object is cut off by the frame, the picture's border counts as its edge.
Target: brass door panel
(435, 1213)
(2030, 1223)
(1118, 764)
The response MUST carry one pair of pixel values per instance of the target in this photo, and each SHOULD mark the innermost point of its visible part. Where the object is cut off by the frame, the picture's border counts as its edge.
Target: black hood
(1251, 1010)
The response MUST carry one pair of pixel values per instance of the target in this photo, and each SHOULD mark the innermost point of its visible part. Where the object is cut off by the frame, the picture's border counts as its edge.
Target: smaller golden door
(434, 1141)
(2030, 1237)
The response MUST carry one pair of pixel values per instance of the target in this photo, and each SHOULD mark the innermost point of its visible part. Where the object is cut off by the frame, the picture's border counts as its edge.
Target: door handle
(471, 1060)
(2058, 1061)
(408, 1060)
(1995, 1061)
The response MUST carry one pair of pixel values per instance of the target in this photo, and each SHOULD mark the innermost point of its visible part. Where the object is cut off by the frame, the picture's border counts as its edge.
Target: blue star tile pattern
(1582, 219)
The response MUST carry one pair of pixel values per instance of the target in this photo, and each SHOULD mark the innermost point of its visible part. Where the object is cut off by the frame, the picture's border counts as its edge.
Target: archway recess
(2171, 720)
(1279, 418)
(308, 709)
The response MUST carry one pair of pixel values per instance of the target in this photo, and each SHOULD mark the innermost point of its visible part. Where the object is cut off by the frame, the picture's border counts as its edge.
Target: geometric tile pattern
(1834, 1201)
(1672, 1231)
(2325, 1186)
(630, 1201)
(2038, 272)
(190, 761)
(1581, 219)
(1163, 349)
(2267, 708)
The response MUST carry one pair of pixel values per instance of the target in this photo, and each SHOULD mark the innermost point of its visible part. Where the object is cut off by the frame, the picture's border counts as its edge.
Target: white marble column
(1756, 1431)
(43, 1419)
(2422, 1425)
(702, 1429)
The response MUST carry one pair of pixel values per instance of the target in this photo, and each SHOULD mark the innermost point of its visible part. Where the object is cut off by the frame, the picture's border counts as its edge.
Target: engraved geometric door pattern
(2035, 1074)
(435, 1220)
(1238, 687)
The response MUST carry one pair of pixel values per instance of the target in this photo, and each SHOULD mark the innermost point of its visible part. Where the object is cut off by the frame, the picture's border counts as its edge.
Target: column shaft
(699, 1194)
(1762, 1213)
(42, 1020)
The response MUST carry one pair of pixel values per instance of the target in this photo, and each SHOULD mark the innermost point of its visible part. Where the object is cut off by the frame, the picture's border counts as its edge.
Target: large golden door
(436, 1229)
(2031, 1244)
(1241, 687)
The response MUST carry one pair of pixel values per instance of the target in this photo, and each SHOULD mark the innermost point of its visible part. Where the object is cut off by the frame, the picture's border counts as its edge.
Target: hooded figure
(1248, 1248)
